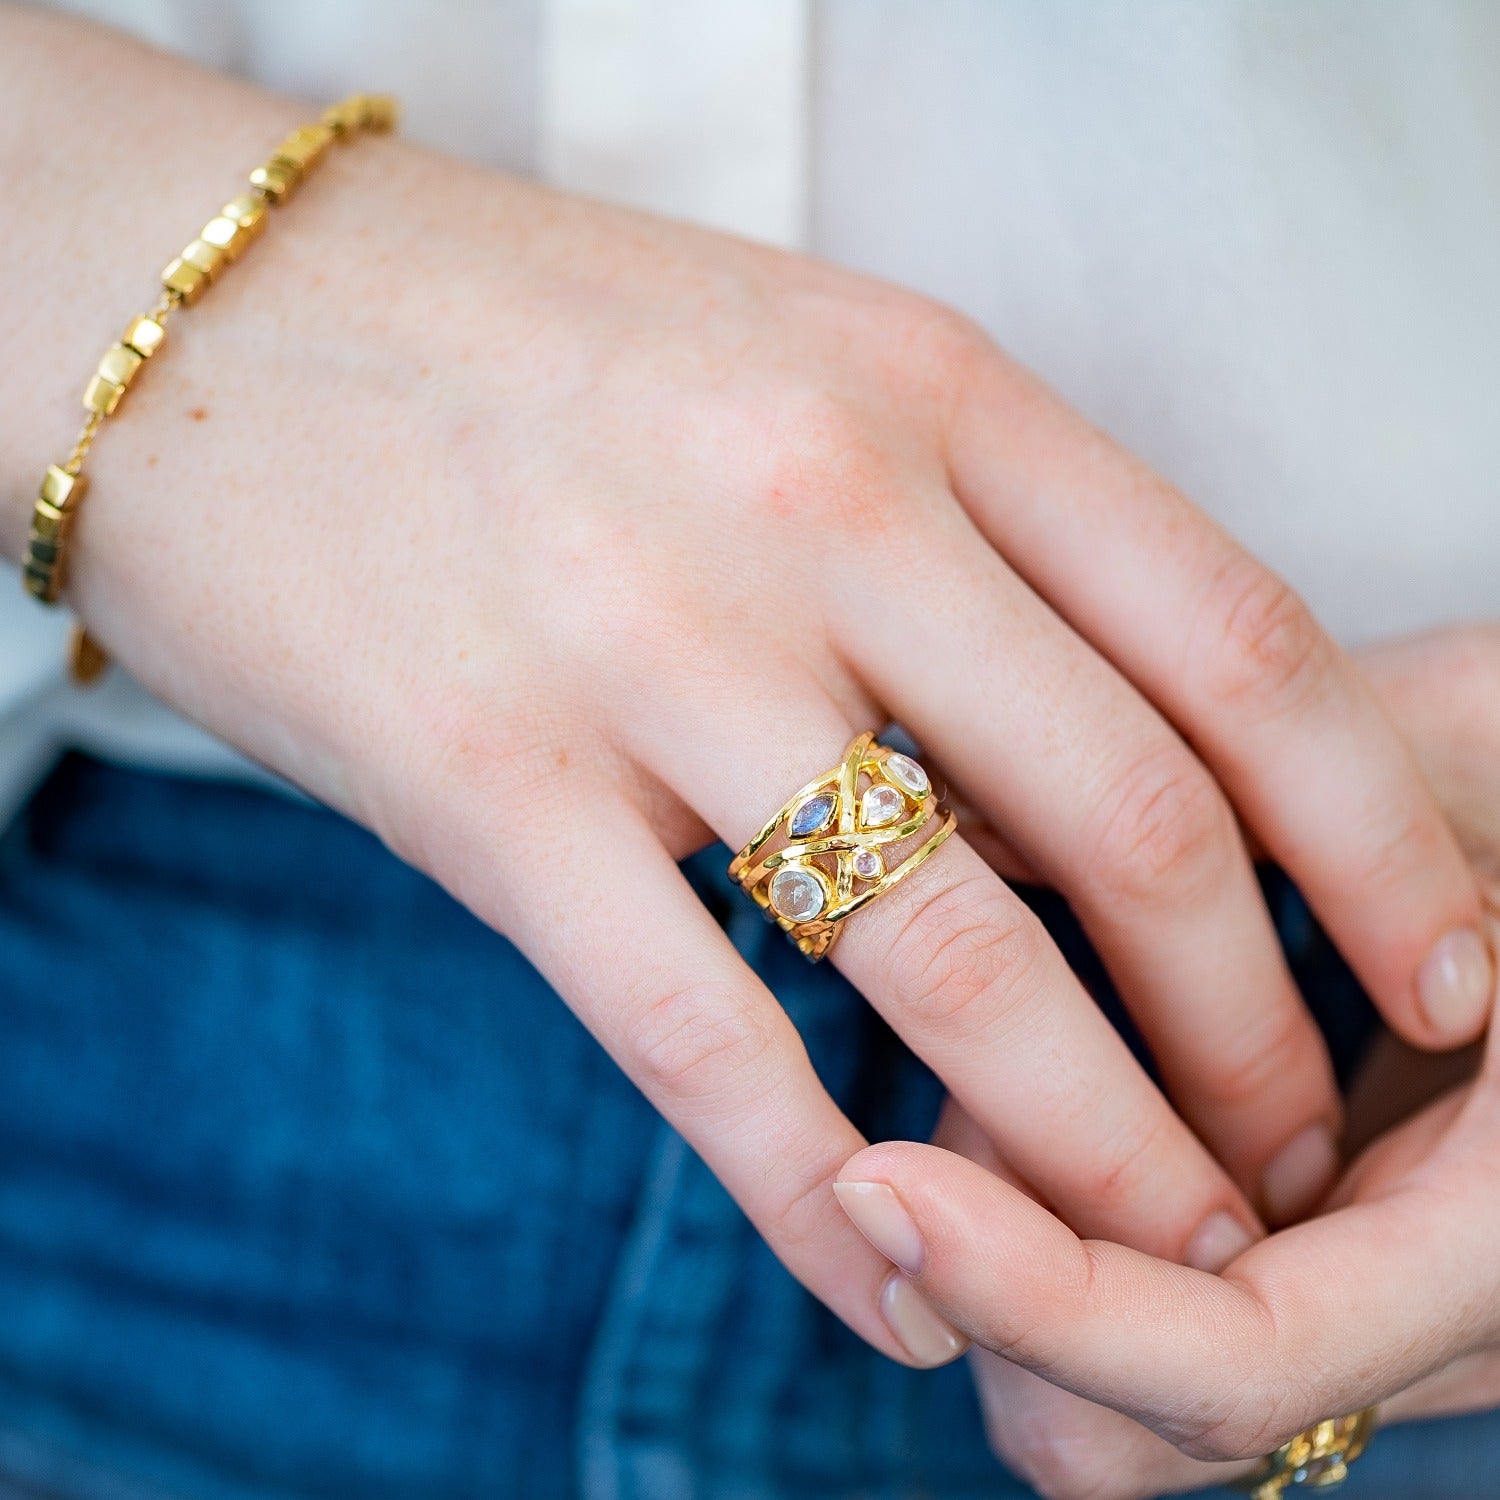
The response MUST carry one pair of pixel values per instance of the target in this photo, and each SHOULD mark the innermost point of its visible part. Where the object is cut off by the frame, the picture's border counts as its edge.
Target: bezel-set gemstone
(868, 864)
(797, 894)
(881, 806)
(907, 774)
(812, 815)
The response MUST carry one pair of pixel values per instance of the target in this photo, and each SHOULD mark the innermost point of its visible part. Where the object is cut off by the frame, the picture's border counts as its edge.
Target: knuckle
(1249, 1065)
(699, 1042)
(1234, 1437)
(936, 343)
(1164, 830)
(1268, 652)
(806, 1211)
(1245, 1421)
(826, 471)
(969, 944)
(1472, 658)
(1115, 1181)
(1403, 839)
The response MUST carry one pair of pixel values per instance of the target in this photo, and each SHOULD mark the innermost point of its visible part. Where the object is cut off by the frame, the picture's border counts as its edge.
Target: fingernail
(1301, 1174)
(1220, 1239)
(928, 1337)
(1456, 982)
(878, 1215)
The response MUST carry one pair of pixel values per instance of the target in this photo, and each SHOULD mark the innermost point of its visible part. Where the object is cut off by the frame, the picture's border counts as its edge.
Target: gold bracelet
(221, 241)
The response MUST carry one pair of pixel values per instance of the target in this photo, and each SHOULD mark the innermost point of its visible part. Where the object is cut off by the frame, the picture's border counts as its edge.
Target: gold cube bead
(381, 111)
(144, 336)
(209, 259)
(184, 280)
(116, 371)
(41, 583)
(278, 179)
(102, 395)
(119, 364)
(343, 118)
(248, 211)
(62, 490)
(48, 522)
(224, 234)
(306, 146)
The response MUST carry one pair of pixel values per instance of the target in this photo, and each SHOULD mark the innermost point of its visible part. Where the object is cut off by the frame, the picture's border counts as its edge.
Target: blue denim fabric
(309, 1186)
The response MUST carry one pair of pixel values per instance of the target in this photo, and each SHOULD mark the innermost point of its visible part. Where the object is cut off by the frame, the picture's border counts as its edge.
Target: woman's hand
(1394, 1298)
(547, 540)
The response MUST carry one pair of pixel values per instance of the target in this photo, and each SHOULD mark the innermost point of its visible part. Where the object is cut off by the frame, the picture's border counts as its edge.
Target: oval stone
(796, 895)
(812, 815)
(881, 806)
(907, 774)
(868, 864)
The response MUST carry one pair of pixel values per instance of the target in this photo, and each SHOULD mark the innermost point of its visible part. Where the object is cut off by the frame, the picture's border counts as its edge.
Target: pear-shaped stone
(881, 806)
(907, 774)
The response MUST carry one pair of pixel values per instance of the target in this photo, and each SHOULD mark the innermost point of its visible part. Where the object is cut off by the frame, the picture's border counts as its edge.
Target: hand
(1396, 1292)
(547, 539)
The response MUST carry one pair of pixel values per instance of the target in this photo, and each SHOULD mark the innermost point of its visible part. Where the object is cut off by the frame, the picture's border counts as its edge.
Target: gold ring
(827, 852)
(1318, 1458)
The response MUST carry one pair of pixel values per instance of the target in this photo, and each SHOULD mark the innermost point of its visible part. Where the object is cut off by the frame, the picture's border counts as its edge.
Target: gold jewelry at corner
(221, 241)
(828, 852)
(1318, 1458)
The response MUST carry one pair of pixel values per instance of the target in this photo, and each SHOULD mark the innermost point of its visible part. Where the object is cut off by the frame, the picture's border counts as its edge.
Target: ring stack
(1317, 1459)
(835, 846)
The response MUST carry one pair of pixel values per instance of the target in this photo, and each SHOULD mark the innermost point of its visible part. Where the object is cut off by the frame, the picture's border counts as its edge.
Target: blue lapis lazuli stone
(813, 816)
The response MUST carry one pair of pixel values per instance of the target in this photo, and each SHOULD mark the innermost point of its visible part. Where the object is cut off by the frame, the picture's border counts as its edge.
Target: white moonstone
(868, 864)
(906, 773)
(881, 806)
(796, 895)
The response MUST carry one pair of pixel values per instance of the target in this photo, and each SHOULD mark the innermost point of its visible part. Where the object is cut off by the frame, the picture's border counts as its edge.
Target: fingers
(1104, 799)
(1467, 1385)
(1320, 1320)
(964, 971)
(1063, 1445)
(1271, 704)
(1058, 1442)
(615, 927)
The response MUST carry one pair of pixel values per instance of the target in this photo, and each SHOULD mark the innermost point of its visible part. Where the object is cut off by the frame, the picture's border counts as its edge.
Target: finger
(1323, 1319)
(1467, 1385)
(1442, 691)
(1105, 800)
(1063, 1445)
(1058, 1442)
(615, 927)
(964, 971)
(1231, 655)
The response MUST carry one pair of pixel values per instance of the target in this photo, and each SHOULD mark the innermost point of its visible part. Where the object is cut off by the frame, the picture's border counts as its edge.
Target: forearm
(334, 361)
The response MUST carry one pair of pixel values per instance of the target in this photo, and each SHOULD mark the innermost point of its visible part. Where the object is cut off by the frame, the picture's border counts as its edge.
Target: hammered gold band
(829, 851)
(1317, 1459)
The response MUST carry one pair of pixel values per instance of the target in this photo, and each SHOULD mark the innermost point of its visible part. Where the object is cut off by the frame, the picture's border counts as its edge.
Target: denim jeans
(309, 1186)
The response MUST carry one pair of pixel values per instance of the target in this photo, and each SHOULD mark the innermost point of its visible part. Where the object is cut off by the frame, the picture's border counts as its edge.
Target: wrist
(138, 145)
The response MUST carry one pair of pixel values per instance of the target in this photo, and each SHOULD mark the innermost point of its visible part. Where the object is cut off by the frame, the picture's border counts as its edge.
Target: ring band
(824, 855)
(1318, 1458)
